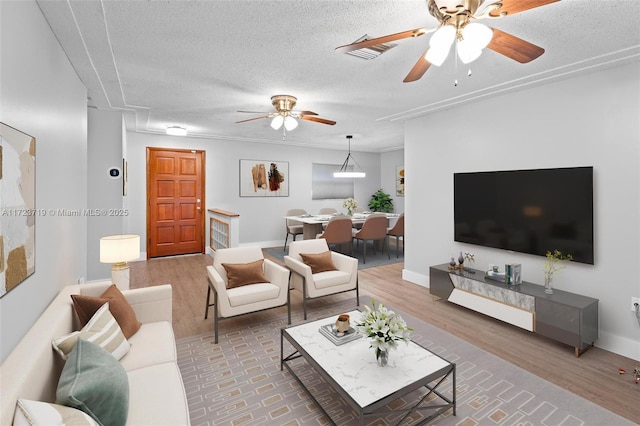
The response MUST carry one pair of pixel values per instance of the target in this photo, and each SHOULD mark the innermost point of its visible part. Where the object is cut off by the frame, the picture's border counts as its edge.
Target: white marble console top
(353, 365)
(509, 296)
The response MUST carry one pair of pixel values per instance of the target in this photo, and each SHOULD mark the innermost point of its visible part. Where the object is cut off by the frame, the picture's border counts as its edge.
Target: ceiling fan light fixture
(477, 35)
(345, 171)
(440, 44)
(277, 122)
(466, 53)
(176, 131)
(290, 123)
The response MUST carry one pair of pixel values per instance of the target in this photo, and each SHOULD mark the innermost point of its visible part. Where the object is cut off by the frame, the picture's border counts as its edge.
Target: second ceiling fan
(456, 18)
(285, 116)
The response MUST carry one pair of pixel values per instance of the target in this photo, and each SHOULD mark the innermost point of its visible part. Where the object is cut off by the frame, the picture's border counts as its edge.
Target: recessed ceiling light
(176, 131)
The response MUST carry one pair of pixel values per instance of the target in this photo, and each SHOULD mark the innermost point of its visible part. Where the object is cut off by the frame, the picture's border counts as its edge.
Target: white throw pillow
(30, 413)
(102, 329)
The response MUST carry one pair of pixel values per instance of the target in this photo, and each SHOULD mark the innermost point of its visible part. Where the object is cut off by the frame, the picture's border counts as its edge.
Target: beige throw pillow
(239, 274)
(319, 262)
(87, 306)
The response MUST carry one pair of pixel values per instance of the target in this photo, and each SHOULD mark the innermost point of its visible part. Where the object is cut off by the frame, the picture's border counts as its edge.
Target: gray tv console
(562, 316)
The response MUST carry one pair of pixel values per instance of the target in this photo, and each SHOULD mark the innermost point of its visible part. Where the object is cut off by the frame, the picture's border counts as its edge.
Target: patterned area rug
(239, 381)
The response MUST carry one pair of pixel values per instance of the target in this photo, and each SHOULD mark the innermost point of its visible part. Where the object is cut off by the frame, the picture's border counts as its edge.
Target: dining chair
(327, 210)
(338, 232)
(397, 230)
(374, 228)
(292, 226)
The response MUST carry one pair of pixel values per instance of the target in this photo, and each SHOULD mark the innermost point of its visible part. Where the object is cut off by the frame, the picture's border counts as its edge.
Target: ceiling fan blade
(307, 113)
(251, 119)
(317, 119)
(254, 112)
(514, 47)
(418, 70)
(384, 39)
(511, 7)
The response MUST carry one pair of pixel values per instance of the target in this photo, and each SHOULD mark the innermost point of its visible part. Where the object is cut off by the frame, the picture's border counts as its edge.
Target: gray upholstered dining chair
(374, 228)
(292, 226)
(338, 232)
(397, 230)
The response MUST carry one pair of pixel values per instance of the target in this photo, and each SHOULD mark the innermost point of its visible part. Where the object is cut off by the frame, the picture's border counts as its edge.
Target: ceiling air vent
(370, 52)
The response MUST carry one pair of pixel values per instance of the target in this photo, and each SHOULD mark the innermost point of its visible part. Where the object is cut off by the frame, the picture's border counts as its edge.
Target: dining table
(312, 223)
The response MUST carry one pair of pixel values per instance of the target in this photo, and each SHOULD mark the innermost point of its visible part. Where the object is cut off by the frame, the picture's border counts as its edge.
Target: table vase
(382, 357)
(548, 285)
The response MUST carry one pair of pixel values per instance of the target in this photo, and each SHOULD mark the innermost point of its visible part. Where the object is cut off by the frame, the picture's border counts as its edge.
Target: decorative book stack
(330, 332)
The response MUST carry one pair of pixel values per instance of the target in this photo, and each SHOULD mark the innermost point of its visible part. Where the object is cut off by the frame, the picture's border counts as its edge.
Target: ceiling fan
(285, 115)
(457, 23)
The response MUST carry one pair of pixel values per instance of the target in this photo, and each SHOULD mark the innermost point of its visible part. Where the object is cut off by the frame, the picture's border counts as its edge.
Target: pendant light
(344, 171)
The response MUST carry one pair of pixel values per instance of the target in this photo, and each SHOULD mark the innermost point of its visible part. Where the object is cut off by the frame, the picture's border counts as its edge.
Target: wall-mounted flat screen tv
(527, 211)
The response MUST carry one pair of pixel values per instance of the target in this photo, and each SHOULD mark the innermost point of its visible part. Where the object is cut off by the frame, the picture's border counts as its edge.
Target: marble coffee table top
(353, 365)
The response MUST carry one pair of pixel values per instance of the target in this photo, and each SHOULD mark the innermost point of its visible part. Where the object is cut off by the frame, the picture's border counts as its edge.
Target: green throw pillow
(93, 381)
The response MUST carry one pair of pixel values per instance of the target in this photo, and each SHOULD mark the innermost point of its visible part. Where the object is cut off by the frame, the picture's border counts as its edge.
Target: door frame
(203, 182)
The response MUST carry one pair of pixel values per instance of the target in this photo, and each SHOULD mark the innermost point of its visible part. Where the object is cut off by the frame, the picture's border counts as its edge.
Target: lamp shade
(440, 44)
(119, 248)
(290, 123)
(277, 121)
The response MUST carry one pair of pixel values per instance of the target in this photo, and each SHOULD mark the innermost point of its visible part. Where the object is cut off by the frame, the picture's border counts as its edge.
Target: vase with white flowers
(350, 204)
(553, 264)
(384, 328)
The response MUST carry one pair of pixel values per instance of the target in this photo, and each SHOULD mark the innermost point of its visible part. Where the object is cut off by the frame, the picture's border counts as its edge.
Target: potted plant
(381, 202)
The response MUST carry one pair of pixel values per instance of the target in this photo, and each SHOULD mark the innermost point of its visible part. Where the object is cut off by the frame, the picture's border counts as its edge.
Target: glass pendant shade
(477, 36)
(290, 123)
(440, 44)
(277, 121)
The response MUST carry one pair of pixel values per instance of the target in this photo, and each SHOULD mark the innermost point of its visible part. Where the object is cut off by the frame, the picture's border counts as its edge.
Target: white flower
(350, 204)
(383, 327)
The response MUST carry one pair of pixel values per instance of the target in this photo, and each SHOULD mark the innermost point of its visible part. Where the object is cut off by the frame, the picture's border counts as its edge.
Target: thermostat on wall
(114, 172)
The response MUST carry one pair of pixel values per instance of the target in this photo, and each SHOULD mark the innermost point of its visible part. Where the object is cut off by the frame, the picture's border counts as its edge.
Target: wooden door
(175, 194)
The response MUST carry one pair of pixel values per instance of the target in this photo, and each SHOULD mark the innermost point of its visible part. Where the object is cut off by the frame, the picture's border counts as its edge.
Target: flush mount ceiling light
(176, 131)
(344, 171)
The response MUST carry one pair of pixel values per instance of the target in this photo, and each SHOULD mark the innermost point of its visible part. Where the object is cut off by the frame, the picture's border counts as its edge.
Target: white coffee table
(352, 371)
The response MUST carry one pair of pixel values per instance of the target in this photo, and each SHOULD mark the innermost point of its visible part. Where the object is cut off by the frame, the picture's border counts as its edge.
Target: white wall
(41, 95)
(105, 194)
(261, 219)
(388, 162)
(592, 119)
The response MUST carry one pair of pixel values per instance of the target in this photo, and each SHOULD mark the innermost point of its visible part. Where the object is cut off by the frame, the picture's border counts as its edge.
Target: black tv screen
(527, 211)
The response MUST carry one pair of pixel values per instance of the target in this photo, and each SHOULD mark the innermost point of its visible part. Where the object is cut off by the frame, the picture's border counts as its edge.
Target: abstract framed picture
(400, 181)
(17, 207)
(264, 178)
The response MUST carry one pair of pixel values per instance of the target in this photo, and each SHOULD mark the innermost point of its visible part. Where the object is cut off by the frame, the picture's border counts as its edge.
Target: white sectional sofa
(156, 390)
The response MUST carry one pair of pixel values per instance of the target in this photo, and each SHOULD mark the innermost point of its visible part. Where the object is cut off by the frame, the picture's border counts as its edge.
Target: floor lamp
(119, 249)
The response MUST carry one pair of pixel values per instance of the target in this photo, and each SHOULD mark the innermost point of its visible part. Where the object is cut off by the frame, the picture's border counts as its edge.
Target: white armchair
(322, 283)
(257, 296)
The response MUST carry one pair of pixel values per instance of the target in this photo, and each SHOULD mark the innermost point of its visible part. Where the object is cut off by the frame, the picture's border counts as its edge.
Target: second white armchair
(325, 272)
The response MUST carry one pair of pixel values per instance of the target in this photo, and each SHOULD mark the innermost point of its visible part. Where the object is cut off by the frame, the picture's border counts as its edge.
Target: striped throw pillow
(102, 329)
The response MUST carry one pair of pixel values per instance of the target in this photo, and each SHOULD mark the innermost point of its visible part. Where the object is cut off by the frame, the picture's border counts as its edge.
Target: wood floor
(594, 375)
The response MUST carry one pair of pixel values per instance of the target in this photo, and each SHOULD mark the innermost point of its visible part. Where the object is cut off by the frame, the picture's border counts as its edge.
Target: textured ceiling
(196, 63)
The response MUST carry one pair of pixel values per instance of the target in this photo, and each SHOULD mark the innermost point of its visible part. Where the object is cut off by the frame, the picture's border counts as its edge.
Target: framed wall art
(400, 181)
(17, 207)
(264, 178)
